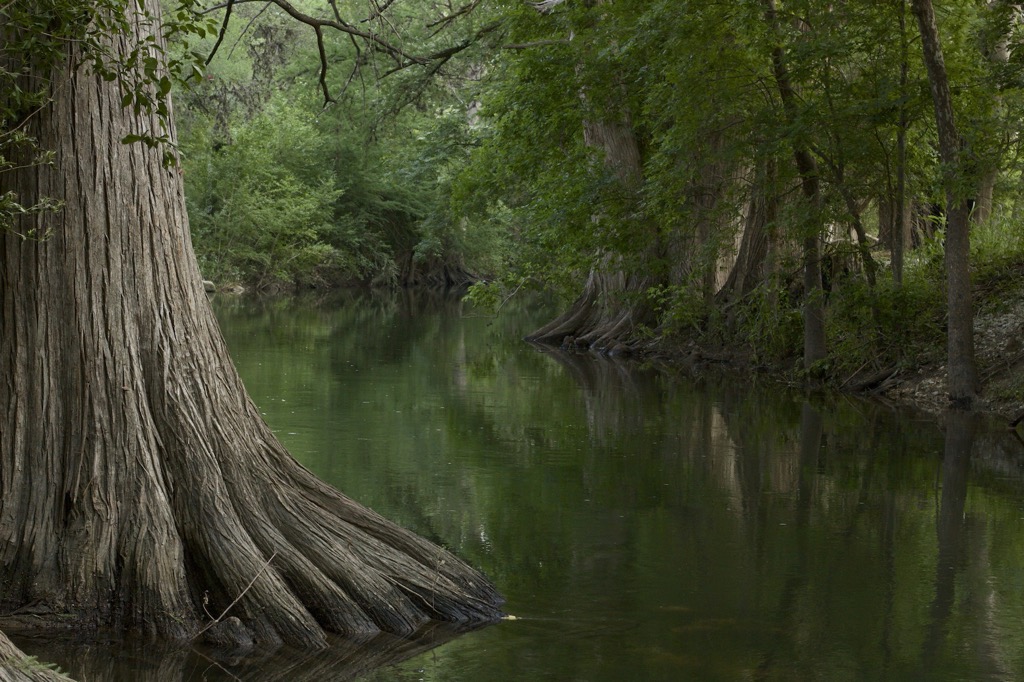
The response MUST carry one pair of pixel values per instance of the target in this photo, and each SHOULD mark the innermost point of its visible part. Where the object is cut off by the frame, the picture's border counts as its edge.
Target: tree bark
(612, 303)
(984, 202)
(900, 242)
(961, 371)
(895, 220)
(750, 268)
(139, 486)
(813, 308)
(610, 307)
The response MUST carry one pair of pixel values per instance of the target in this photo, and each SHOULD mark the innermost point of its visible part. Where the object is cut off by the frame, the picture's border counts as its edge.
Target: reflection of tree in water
(860, 477)
(154, 662)
(412, 316)
(964, 549)
(615, 395)
(949, 527)
(789, 616)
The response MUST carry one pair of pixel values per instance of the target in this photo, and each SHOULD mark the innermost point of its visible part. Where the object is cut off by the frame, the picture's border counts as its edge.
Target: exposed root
(605, 315)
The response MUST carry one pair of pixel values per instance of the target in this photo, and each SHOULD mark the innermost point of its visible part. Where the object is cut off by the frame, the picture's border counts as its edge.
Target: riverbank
(918, 379)
(999, 351)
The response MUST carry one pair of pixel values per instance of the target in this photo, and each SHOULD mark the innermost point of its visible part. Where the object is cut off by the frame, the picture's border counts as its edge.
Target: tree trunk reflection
(949, 527)
(154, 662)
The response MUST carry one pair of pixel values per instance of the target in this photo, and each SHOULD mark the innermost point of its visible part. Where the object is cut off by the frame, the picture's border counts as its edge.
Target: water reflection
(151, 661)
(950, 527)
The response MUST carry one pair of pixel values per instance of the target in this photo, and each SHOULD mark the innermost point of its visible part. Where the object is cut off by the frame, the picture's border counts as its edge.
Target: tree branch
(336, 23)
(535, 43)
(323, 64)
(378, 10)
(402, 59)
(447, 19)
(223, 31)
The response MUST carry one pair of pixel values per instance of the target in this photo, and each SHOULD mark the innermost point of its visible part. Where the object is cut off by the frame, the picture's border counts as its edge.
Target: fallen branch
(875, 381)
(1016, 422)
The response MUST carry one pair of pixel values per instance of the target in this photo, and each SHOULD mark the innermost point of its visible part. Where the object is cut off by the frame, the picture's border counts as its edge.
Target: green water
(642, 527)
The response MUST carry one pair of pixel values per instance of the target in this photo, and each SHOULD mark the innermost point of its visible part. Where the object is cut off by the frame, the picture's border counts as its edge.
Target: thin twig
(449, 18)
(378, 10)
(239, 597)
(200, 654)
(247, 27)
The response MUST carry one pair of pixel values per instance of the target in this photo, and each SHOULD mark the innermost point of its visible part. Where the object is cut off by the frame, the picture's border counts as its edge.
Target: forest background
(718, 177)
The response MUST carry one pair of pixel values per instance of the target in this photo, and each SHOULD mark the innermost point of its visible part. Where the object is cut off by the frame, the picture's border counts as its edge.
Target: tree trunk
(139, 486)
(813, 309)
(605, 313)
(998, 52)
(986, 196)
(900, 242)
(962, 373)
(895, 220)
(713, 225)
(863, 243)
(613, 301)
(750, 268)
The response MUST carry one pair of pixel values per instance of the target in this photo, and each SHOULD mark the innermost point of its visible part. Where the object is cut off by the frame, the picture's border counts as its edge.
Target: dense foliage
(698, 86)
(300, 177)
(546, 143)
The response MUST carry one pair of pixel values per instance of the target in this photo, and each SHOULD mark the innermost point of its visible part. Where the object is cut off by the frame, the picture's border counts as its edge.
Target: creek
(642, 526)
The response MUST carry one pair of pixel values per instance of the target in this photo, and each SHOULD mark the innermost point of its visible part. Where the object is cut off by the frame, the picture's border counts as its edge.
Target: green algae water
(641, 526)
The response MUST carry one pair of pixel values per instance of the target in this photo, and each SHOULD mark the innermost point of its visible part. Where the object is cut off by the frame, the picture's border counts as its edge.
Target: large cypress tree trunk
(752, 266)
(139, 486)
(613, 302)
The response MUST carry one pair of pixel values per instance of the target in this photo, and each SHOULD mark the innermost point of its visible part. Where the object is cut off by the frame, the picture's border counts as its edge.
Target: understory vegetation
(729, 175)
(288, 189)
